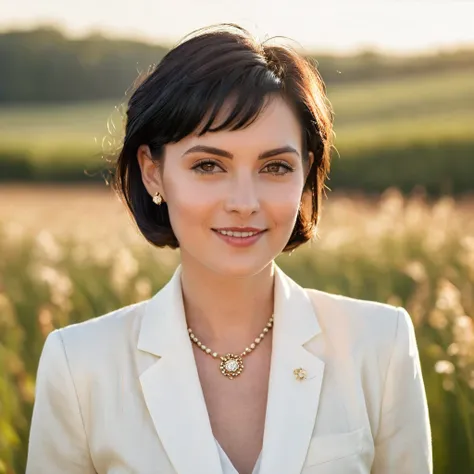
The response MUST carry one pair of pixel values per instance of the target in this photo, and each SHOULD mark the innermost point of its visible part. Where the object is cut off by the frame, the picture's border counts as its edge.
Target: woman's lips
(239, 241)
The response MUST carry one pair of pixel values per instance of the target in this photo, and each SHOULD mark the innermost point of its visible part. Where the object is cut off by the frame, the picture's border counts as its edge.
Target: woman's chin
(239, 267)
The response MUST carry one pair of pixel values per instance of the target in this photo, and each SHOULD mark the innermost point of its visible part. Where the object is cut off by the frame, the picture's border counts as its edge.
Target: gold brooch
(299, 373)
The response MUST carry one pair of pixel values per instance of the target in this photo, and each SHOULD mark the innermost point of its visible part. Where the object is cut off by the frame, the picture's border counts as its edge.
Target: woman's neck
(226, 313)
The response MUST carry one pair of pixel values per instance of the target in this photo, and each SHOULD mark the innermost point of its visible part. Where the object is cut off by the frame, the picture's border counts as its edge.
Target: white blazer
(120, 393)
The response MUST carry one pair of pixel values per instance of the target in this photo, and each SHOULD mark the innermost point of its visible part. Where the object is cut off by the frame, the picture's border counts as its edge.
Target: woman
(232, 367)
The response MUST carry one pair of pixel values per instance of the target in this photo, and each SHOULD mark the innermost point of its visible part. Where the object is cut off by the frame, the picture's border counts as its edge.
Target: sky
(331, 25)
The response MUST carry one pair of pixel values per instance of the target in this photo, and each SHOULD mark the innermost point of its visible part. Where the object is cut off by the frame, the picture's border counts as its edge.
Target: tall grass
(88, 260)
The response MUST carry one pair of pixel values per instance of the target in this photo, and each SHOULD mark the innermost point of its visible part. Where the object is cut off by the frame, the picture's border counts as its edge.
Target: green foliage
(43, 65)
(445, 168)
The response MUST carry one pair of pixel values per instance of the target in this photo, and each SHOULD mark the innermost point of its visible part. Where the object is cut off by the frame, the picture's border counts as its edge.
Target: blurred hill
(44, 65)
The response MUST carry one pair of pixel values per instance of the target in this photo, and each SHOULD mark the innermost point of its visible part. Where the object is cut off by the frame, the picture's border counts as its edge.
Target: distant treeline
(44, 65)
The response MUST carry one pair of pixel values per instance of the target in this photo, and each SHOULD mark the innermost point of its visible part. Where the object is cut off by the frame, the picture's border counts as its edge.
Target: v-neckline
(255, 469)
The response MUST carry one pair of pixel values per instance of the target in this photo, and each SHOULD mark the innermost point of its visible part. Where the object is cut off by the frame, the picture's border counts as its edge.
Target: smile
(239, 238)
(237, 234)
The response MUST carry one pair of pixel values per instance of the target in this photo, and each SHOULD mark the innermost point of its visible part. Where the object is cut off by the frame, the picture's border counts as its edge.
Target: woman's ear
(150, 171)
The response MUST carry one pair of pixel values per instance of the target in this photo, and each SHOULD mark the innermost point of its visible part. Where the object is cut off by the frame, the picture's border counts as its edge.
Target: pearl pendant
(231, 365)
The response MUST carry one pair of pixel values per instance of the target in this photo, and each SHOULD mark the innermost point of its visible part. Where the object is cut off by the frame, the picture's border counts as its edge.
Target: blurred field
(404, 111)
(57, 132)
(438, 108)
(70, 254)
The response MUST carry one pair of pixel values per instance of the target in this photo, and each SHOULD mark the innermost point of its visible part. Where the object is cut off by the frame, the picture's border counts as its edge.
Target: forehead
(276, 125)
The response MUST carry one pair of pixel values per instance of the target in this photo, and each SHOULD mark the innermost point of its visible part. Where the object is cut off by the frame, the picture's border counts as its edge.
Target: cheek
(283, 205)
(190, 205)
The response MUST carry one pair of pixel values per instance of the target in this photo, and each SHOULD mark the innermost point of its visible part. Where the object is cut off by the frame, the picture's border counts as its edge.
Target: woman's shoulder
(89, 355)
(103, 334)
(362, 321)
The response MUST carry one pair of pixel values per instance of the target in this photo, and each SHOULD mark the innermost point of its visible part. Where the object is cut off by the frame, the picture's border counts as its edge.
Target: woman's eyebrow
(218, 151)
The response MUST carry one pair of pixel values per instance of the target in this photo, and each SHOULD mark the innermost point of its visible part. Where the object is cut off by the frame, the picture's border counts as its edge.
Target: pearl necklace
(232, 365)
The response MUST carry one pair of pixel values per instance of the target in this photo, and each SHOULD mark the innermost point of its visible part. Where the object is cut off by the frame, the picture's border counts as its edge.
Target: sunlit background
(397, 26)
(397, 225)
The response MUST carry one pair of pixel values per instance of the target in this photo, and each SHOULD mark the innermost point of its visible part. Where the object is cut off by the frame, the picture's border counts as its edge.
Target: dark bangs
(221, 69)
(225, 71)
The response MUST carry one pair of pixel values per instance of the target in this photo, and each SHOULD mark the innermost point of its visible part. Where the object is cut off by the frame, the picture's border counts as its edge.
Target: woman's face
(225, 181)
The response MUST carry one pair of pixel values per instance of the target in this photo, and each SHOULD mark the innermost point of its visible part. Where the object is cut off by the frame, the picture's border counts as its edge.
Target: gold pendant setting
(231, 365)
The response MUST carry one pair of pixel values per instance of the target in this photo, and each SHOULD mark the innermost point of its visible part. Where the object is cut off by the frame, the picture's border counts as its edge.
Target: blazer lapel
(292, 404)
(171, 386)
(175, 399)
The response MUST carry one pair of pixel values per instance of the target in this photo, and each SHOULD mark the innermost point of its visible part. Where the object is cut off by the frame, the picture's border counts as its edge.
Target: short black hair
(184, 93)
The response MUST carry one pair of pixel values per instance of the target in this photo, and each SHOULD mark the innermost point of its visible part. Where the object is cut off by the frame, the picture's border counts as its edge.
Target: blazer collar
(174, 396)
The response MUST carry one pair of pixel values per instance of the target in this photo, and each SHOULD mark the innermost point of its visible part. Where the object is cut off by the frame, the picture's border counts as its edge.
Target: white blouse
(227, 466)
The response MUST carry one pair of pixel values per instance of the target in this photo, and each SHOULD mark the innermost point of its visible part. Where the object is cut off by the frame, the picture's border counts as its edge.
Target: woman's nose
(242, 196)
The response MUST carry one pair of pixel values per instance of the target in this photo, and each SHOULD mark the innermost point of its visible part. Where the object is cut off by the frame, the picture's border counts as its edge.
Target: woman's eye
(211, 167)
(278, 168)
(206, 167)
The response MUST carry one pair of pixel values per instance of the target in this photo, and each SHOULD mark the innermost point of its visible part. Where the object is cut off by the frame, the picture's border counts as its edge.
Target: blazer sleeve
(57, 439)
(403, 441)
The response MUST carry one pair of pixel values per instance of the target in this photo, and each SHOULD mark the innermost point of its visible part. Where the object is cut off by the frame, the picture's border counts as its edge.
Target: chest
(237, 407)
